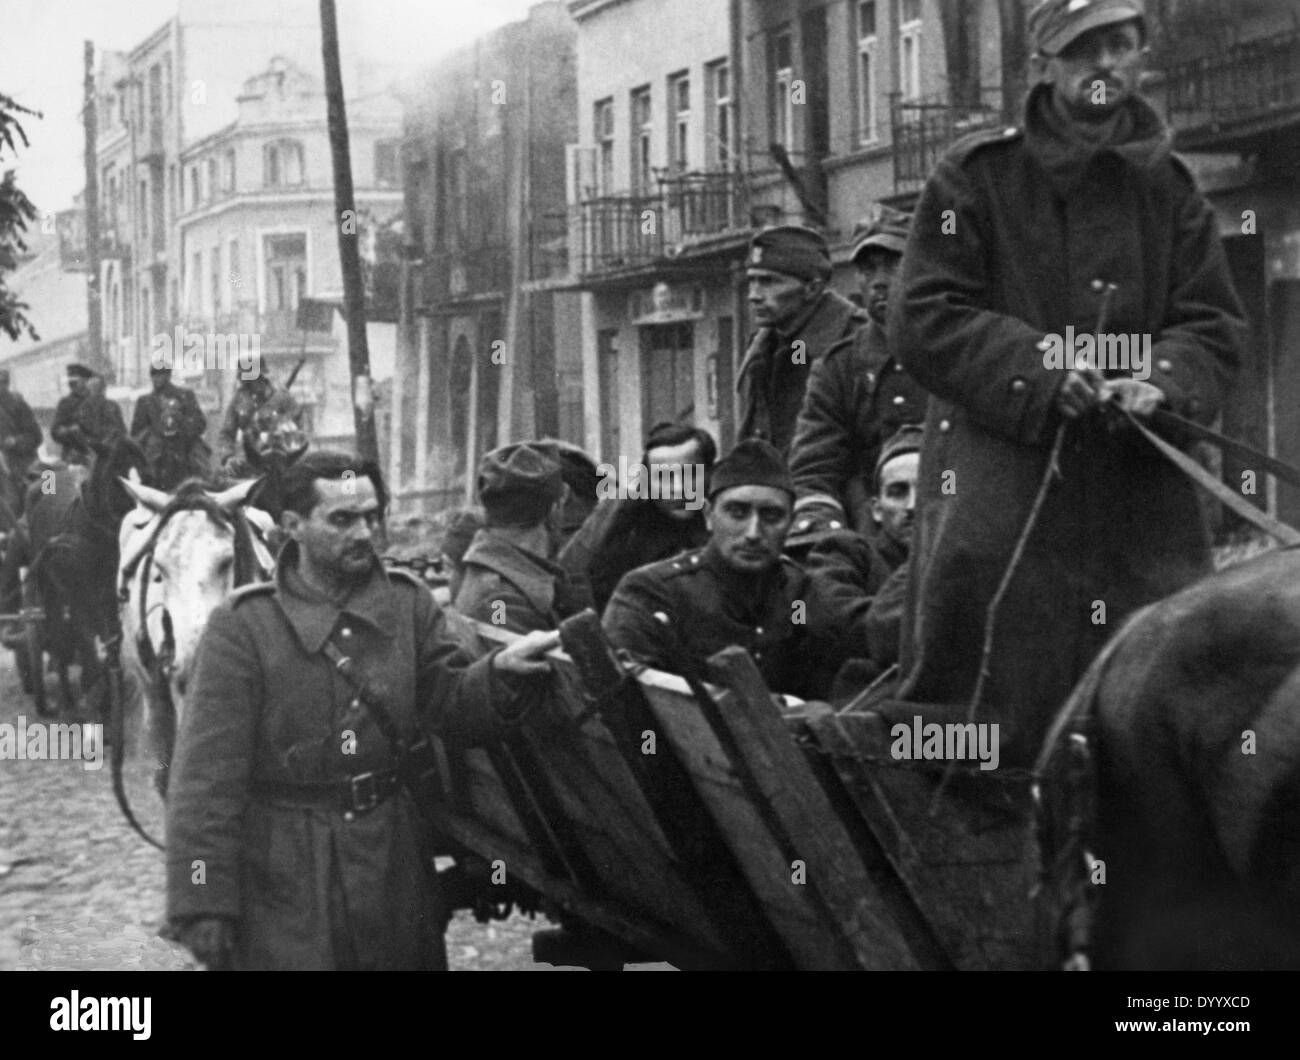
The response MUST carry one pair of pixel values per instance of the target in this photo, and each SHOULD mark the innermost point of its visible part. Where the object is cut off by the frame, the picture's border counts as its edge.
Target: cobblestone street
(80, 891)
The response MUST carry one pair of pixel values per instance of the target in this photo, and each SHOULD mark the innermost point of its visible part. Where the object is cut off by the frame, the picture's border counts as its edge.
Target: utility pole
(94, 306)
(354, 292)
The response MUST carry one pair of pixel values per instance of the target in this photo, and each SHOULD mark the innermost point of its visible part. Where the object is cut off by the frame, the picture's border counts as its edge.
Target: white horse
(181, 554)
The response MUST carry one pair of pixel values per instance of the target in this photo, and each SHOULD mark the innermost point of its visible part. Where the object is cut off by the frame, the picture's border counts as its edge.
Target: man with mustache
(1080, 218)
(293, 839)
(738, 589)
(858, 396)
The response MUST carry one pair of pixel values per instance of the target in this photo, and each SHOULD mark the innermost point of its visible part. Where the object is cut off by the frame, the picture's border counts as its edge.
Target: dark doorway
(667, 374)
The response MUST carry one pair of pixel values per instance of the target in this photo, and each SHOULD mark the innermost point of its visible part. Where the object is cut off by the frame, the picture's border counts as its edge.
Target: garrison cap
(1053, 24)
(907, 439)
(791, 249)
(517, 484)
(78, 371)
(885, 228)
(754, 462)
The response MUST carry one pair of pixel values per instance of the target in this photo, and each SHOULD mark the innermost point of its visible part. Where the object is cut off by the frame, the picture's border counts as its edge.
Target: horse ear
(235, 495)
(145, 496)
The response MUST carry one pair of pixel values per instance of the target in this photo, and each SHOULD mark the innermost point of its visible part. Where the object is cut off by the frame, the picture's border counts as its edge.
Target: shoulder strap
(366, 697)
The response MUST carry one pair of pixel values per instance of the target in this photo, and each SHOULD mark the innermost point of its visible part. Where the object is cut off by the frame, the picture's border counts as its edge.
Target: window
(195, 191)
(286, 270)
(233, 266)
(228, 172)
(282, 164)
(194, 285)
(386, 169)
(642, 134)
(782, 83)
(604, 137)
(679, 95)
(718, 79)
(909, 50)
(143, 213)
(174, 187)
(214, 185)
(866, 71)
(167, 82)
(216, 282)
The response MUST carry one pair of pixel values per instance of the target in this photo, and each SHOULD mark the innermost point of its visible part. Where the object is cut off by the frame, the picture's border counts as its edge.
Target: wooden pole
(354, 294)
(94, 306)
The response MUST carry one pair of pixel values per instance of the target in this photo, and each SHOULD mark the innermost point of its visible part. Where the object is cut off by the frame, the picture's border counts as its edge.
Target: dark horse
(73, 525)
(1196, 709)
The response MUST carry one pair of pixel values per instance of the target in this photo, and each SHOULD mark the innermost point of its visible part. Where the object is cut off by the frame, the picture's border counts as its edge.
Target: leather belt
(356, 795)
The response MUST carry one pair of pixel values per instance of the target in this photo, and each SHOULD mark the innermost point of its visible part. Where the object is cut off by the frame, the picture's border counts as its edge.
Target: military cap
(754, 462)
(517, 484)
(907, 439)
(1053, 24)
(577, 469)
(791, 249)
(78, 371)
(886, 228)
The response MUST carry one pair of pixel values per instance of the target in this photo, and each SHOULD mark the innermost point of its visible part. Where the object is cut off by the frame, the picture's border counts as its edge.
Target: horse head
(181, 554)
(106, 500)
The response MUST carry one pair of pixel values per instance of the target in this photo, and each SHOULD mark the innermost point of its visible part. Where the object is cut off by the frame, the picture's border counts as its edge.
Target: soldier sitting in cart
(738, 589)
(509, 578)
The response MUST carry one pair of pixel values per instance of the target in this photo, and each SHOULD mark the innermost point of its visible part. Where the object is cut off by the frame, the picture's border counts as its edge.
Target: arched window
(282, 164)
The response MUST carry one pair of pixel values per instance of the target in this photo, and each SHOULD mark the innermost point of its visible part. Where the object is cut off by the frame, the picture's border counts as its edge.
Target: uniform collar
(534, 575)
(313, 616)
(820, 325)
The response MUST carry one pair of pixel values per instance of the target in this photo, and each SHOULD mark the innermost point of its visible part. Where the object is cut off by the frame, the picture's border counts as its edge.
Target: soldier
(168, 426)
(799, 318)
(254, 395)
(85, 416)
(580, 475)
(625, 533)
(858, 395)
(20, 435)
(509, 579)
(65, 429)
(1019, 234)
(292, 839)
(738, 589)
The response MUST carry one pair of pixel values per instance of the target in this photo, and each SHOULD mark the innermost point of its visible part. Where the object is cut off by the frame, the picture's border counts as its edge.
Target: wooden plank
(838, 888)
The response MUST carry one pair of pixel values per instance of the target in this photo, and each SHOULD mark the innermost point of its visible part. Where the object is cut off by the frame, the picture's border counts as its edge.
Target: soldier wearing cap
(509, 578)
(85, 416)
(798, 317)
(738, 589)
(1019, 234)
(858, 395)
(168, 426)
(256, 400)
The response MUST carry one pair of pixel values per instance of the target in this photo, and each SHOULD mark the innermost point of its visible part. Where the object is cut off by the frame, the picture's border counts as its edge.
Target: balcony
(684, 214)
(152, 149)
(1235, 99)
(924, 131)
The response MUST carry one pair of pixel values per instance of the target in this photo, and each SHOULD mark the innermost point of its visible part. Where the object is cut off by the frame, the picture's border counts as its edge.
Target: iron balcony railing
(1252, 86)
(923, 131)
(618, 232)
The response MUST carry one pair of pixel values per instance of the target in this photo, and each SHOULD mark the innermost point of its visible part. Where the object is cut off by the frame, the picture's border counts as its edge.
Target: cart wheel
(35, 665)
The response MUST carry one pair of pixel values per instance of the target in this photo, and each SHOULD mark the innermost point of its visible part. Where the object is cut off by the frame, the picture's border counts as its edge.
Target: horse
(1195, 709)
(181, 554)
(72, 521)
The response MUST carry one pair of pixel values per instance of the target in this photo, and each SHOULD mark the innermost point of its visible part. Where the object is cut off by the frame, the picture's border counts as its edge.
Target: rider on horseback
(256, 403)
(168, 426)
(85, 416)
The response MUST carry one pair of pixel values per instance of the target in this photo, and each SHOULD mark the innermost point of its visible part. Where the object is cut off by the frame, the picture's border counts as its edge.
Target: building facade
(489, 349)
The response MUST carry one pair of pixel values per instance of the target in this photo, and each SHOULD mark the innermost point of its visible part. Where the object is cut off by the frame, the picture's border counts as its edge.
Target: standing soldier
(1020, 234)
(20, 436)
(168, 426)
(293, 841)
(799, 318)
(858, 396)
(253, 396)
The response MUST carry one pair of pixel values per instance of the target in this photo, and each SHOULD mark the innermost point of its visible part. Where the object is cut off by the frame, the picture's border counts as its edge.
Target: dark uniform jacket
(17, 421)
(857, 397)
(82, 418)
(242, 411)
(1040, 223)
(168, 425)
(708, 607)
(619, 536)
(771, 383)
(511, 587)
(309, 888)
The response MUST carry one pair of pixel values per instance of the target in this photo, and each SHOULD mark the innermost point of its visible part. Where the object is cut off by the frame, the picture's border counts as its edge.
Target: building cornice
(283, 198)
(585, 9)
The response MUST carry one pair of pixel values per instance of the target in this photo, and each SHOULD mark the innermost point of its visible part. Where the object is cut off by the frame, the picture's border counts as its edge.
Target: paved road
(79, 890)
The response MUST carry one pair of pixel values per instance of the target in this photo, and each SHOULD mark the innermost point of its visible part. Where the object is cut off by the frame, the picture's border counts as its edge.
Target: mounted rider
(85, 415)
(168, 426)
(256, 403)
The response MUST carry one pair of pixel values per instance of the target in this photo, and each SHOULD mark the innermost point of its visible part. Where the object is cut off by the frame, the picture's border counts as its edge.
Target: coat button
(1017, 385)
(1165, 365)
(348, 815)
(1193, 407)
(759, 630)
(899, 399)
(944, 425)
(1098, 284)
(345, 632)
